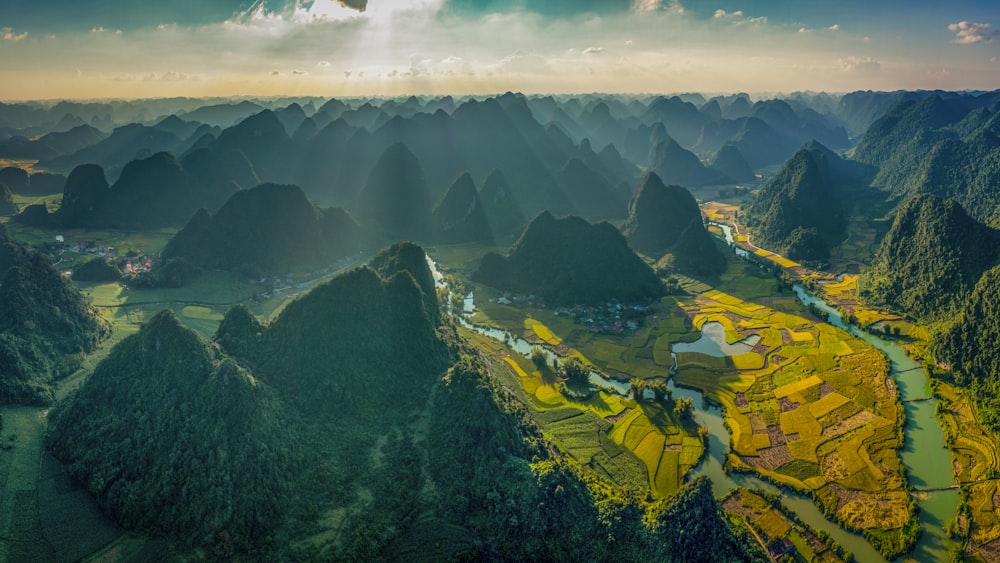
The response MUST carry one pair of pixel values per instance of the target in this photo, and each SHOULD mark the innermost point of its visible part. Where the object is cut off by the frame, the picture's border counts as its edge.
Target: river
(924, 454)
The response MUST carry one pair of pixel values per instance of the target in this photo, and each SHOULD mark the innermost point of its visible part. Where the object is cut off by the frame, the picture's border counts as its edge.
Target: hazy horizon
(288, 48)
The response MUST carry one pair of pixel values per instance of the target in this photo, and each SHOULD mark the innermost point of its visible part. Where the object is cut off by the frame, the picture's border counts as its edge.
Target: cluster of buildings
(608, 318)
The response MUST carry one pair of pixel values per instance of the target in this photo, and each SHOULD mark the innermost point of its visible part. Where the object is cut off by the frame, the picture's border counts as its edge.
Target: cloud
(524, 63)
(98, 29)
(323, 64)
(737, 17)
(722, 14)
(673, 6)
(859, 65)
(593, 50)
(967, 33)
(299, 72)
(834, 27)
(8, 34)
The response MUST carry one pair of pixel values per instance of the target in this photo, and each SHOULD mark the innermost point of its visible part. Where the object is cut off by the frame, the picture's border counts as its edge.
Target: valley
(577, 350)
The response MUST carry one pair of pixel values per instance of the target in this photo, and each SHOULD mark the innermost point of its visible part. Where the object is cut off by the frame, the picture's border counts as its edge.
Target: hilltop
(46, 326)
(172, 437)
(930, 259)
(568, 261)
(460, 216)
(266, 230)
(801, 212)
(666, 220)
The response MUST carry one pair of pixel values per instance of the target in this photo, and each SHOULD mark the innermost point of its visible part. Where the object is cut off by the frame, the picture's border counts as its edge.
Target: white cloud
(593, 50)
(524, 63)
(673, 6)
(8, 34)
(804, 30)
(99, 29)
(967, 33)
(834, 27)
(860, 65)
(737, 17)
(323, 64)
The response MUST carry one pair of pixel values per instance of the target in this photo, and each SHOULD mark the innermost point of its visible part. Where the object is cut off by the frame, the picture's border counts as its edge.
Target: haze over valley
(450, 280)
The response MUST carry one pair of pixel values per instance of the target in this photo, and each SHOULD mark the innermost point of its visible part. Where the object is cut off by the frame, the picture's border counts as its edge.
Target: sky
(90, 49)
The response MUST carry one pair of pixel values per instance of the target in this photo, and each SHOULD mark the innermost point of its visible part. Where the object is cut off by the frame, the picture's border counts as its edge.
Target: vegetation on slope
(502, 209)
(567, 261)
(937, 146)
(801, 212)
(969, 347)
(97, 270)
(460, 215)
(45, 326)
(270, 229)
(666, 220)
(174, 438)
(929, 260)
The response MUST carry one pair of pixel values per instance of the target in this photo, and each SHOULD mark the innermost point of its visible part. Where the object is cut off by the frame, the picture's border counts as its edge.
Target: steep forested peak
(666, 220)
(46, 326)
(968, 346)
(729, 161)
(264, 125)
(396, 197)
(909, 119)
(460, 215)
(7, 205)
(801, 210)
(86, 188)
(171, 436)
(410, 258)
(154, 167)
(265, 230)
(502, 208)
(570, 260)
(677, 165)
(12, 253)
(930, 259)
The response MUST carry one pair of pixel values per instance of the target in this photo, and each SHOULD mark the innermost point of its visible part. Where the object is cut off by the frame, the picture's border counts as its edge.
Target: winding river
(924, 454)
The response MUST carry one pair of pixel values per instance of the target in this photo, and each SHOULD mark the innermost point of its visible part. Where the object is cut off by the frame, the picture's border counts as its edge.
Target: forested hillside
(46, 326)
(930, 259)
(568, 261)
(969, 347)
(267, 230)
(666, 220)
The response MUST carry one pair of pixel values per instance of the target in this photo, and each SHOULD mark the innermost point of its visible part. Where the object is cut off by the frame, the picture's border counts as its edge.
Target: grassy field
(770, 520)
(44, 515)
(814, 410)
(640, 446)
(975, 464)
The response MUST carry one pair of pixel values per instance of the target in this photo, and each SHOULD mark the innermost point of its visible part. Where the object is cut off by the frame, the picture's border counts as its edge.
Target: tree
(575, 370)
(684, 408)
(538, 357)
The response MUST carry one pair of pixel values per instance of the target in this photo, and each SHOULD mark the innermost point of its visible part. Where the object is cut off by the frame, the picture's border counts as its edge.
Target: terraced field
(771, 522)
(815, 410)
(643, 445)
(975, 461)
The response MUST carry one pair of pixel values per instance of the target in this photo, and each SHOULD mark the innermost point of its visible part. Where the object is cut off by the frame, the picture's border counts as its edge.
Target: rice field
(771, 521)
(641, 444)
(975, 462)
(810, 407)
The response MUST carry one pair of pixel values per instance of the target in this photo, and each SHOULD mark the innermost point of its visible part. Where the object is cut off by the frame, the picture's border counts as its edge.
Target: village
(612, 317)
